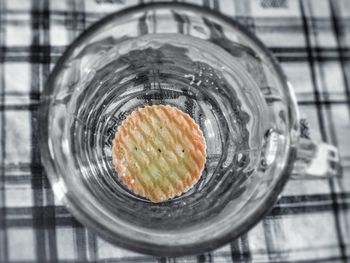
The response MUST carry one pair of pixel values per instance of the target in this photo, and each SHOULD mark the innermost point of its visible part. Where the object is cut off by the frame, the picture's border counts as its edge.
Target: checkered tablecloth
(310, 222)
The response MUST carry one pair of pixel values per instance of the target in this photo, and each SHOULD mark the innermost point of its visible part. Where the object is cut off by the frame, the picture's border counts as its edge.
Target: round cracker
(159, 152)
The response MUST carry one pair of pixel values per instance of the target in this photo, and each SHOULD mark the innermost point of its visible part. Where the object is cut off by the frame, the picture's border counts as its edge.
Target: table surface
(311, 220)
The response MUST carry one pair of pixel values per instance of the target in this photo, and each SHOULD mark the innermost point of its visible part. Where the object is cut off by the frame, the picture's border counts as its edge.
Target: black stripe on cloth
(294, 50)
(205, 258)
(25, 180)
(80, 240)
(235, 251)
(20, 94)
(39, 54)
(37, 219)
(312, 198)
(323, 91)
(181, 20)
(3, 233)
(216, 5)
(206, 3)
(312, 69)
(92, 246)
(20, 107)
(304, 209)
(45, 235)
(240, 250)
(142, 25)
(247, 255)
(342, 48)
(268, 236)
(49, 217)
(323, 102)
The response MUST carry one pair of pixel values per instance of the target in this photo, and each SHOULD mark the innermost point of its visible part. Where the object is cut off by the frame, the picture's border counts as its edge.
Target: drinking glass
(210, 67)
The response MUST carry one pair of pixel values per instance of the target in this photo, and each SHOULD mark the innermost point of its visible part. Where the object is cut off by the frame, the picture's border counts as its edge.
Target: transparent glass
(208, 66)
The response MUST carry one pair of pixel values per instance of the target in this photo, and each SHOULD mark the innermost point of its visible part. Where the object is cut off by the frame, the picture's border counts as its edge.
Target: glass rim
(72, 204)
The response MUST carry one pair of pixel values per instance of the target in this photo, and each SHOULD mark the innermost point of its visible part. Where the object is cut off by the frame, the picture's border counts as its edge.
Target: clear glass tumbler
(206, 65)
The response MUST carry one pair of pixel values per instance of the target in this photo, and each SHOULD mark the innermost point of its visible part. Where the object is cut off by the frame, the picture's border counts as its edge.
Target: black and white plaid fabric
(311, 221)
